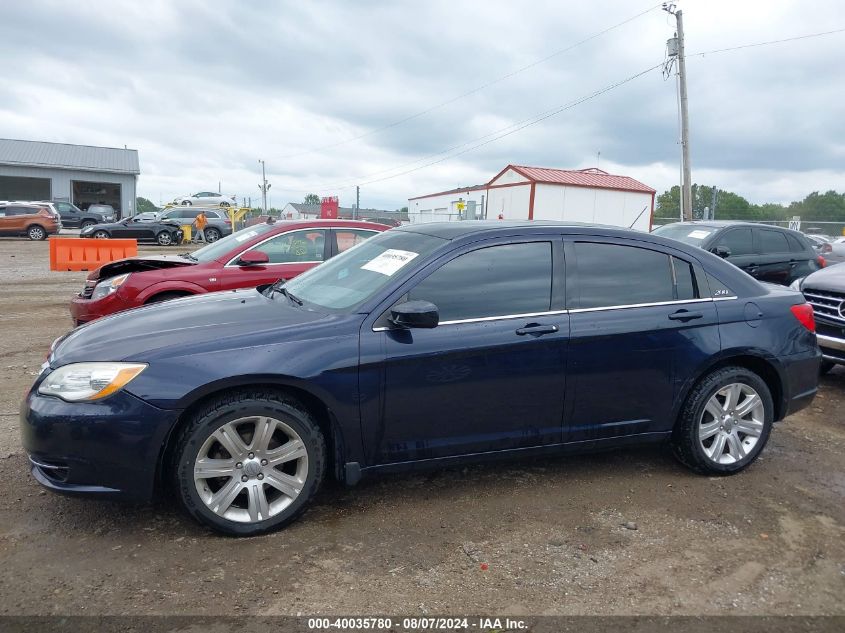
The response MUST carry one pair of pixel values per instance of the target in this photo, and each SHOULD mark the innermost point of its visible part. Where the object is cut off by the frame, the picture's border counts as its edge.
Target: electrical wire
(471, 92)
(787, 39)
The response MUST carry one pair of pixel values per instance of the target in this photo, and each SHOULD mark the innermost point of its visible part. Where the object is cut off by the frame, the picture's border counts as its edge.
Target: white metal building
(443, 206)
(81, 174)
(539, 193)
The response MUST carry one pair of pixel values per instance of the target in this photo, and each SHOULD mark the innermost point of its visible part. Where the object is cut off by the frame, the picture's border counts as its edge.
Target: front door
(491, 375)
(639, 329)
(739, 242)
(290, 254)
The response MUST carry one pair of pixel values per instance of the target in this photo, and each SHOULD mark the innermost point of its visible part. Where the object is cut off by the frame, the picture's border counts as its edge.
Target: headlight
(89, 381)
(108, 286)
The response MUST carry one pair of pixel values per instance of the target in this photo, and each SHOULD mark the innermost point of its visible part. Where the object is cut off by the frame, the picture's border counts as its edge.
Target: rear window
(795, 244)
(689, 233)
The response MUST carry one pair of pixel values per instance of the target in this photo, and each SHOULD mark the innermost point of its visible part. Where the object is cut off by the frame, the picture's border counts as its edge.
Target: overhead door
(21, 188)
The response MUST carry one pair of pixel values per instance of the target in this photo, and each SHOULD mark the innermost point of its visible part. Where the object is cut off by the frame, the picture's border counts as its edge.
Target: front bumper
(110, 448)
(833, 348)
(84, 310)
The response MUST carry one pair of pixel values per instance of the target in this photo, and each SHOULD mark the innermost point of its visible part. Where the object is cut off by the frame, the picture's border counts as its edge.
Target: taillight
(822, 262)
(804, 313)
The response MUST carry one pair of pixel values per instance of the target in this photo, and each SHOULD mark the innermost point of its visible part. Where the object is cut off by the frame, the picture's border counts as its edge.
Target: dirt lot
(769, 541)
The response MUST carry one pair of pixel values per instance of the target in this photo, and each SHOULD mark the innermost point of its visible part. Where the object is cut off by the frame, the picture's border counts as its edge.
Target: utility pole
(357, 203)
(686, 180)
(264, 187)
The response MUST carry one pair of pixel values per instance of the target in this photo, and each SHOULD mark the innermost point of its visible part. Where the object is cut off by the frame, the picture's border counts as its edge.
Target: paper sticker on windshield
(245, 236)
(698, 235)
(389, 261)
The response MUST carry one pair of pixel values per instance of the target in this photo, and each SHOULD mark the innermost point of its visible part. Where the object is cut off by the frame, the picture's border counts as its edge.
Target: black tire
(685, 440)
(212, 235)
(235, 405)
(165, 296)
(165, 238)
(101, 235)
(86, 224)
(36, 233)
(186, 203)
(224, 204)
(826, 366)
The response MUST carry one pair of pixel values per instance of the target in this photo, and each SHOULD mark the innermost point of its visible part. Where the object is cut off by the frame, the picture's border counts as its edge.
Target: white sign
(389, 261)
(795, 223)
(698, 235)
(245, 236)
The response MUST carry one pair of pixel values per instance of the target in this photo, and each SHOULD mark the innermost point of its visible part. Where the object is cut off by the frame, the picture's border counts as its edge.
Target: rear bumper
(801, 380)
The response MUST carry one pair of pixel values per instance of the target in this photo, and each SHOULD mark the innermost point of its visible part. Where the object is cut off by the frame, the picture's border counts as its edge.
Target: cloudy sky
(333, 94)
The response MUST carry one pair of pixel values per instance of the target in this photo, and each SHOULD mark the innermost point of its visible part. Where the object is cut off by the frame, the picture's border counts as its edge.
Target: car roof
(454, 230)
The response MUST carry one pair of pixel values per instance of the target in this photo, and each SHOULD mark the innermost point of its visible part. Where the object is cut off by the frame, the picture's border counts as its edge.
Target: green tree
(142, 205)
(312, 198)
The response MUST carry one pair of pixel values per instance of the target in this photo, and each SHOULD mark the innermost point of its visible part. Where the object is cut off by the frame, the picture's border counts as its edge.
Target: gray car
(219, 224)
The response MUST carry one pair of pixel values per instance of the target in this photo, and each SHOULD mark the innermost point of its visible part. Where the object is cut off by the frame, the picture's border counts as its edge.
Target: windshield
(689, 233)
(348, 280)
(222, 246)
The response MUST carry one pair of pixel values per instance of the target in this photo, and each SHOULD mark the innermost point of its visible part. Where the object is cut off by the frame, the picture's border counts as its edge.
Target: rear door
(775, 261)
(640, 326)
(342, 239)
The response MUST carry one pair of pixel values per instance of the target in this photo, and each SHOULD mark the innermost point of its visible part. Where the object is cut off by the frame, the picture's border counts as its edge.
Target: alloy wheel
(211, 235)
(165, 239)
(250, 469)
(36, 233)
(101, 235)
(731, 424)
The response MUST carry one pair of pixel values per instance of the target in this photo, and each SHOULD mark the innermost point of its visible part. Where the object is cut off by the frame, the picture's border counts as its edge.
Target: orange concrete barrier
(76, 253)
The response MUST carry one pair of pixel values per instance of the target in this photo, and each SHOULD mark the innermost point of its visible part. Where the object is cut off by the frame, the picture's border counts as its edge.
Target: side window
(296, 246)
(617, 275)
(795, 245)
(685, 286)
(738, 241)
(772, 241)
(64, 208)
(489, 282)
(2, 212)
(187, 215)
(347, 238)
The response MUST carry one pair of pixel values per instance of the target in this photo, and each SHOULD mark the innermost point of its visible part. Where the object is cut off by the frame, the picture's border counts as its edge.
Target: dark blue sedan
(426, 345)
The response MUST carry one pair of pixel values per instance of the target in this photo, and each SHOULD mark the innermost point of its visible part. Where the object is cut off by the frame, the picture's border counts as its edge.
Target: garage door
(20, 188)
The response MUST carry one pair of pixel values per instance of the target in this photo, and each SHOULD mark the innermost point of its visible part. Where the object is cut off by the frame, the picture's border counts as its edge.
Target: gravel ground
(628, 532)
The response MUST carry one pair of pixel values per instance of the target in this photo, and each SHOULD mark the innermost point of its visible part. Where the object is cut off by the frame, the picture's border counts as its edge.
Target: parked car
(837, 246)
(162, 233)
(106, 210)
(825, 291)
(426, 345)
(219, 224)
(767, 253)
(259, 255)
(206, 198)
(820, 243)
(74, 218)
(33, 220)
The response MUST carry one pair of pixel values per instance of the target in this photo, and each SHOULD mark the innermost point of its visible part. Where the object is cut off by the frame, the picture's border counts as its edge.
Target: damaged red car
(258, 255)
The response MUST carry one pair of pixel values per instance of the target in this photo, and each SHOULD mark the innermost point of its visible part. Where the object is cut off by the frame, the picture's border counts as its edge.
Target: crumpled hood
(830, 278)
(139, 264)
(213, 321)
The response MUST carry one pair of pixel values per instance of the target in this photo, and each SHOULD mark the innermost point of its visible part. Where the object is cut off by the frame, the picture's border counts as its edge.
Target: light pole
(264, 187)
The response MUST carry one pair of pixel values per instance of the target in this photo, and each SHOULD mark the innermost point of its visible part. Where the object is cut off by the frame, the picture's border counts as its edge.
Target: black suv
(825, 291)
(767, 253)
(75, 218)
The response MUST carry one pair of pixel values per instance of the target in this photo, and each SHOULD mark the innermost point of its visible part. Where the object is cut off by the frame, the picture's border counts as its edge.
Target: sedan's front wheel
(249, 463)
(725, 422)
(101, 235)
(164, 239)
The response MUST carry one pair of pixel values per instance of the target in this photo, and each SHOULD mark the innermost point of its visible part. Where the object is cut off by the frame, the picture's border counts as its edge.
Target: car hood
(138, 264)
(215, 321)
(830, 278)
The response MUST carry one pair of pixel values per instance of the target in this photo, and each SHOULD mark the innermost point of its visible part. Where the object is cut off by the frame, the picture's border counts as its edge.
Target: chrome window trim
(570, 311)
(231, 264)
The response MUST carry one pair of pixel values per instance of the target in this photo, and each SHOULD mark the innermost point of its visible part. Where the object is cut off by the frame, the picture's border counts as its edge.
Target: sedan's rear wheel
(36, 233)
(101, 235)
(164, 239)
(224, 204)
(249, 463)
(186, 203)
(85, 225)
(725, 422)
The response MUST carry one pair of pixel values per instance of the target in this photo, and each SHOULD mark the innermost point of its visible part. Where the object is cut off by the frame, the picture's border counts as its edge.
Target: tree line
(822, 207)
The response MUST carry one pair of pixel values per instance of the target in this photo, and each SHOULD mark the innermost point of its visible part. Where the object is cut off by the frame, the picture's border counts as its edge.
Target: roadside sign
(795, 223)
(461, 205)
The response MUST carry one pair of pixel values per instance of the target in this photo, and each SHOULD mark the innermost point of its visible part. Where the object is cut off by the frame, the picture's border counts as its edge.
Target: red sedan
(260, 254)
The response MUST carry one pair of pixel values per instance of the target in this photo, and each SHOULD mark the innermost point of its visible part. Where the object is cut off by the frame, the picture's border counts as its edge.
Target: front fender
(169, 286)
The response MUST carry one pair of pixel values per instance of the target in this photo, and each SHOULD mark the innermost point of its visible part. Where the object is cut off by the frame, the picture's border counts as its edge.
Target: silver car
(207, 199)
(219, 224)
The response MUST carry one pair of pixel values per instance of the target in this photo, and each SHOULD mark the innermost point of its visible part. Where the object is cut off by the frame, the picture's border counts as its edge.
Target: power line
(470, 92)
(787, 39)
(521, 125)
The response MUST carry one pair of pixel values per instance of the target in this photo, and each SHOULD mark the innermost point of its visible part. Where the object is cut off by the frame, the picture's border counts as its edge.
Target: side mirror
(721, 251)
(415, 314)
(253, 258)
